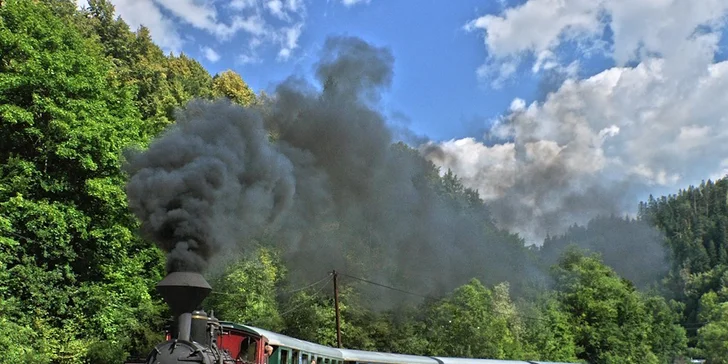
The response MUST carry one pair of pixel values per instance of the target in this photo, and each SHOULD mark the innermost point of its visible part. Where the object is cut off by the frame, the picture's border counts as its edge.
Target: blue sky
(637, 106)
(434, 83)
(436, 59)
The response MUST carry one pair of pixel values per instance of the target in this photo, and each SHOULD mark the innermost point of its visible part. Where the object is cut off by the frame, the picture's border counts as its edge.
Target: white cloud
(594, 145)
(242, 4)
(293, 15)
(295, 5)
(145, 12)
(473, 161)
(348, 3)
(518, 104)
(254, 24)
(204, 17)
(630, 127)
(210, 54)
(537, 25)
(166, 18)
(290, 40)
(200, 15)
(276, 8)
(248, 58)
(640, 28)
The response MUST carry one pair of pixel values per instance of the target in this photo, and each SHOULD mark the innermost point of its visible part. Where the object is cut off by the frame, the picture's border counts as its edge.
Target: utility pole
(336, 305)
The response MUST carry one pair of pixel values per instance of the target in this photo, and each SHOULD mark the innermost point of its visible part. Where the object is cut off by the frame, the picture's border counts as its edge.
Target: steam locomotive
(196, 337)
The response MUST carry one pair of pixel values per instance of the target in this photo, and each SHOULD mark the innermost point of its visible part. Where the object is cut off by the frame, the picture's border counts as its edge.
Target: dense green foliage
(76, 280)
(694, 222)
(612, 321)
(75, 274)
(246, 291)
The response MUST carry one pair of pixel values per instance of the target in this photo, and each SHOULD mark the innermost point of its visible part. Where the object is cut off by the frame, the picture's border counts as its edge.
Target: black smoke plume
(211, 180)
(315, 171)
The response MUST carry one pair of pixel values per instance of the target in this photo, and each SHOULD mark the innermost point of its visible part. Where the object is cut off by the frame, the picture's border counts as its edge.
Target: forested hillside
(694, 222)
(79, 88)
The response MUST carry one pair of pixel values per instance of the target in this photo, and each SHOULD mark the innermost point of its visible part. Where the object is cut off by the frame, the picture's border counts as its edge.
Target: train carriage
(288, 350)
(489, 361)
(361, 357)
(196, 337)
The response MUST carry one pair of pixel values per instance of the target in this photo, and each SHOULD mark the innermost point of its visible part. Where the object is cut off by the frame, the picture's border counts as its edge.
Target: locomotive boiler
(194, 336)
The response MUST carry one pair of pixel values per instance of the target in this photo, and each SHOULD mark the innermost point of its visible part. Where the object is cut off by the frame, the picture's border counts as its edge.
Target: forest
(79, 88)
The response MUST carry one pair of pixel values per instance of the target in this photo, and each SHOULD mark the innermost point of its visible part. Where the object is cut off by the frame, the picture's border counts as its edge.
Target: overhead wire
(386, 286)
(306, 301)
(308, 286)
(284, 292)
(429, 297)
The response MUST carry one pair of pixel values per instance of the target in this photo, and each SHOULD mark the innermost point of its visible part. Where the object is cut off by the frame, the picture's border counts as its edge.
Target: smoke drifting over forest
(594, 144)
(331, 188)
(594, 147)
(536, 187)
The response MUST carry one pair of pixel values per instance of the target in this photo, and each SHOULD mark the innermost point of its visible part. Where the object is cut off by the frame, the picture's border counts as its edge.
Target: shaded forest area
(77, 88)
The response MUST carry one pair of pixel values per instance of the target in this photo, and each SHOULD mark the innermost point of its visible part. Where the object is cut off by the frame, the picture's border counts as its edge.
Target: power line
(327, 279)
(385, 286)
(306, 301)
(430, 297)
(285, 292)
(527, 317)
(308, 286)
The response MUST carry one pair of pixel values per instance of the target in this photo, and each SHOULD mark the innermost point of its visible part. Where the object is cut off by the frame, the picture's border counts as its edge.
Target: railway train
(196, 337)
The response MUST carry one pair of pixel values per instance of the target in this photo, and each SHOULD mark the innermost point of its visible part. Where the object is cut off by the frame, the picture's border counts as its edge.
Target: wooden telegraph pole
(336, 304)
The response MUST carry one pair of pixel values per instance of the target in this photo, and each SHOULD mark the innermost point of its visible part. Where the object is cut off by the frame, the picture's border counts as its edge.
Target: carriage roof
(363, 356)
(378, 357)
(290, 342)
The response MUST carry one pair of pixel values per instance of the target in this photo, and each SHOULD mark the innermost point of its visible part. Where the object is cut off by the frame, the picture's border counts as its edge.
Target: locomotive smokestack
(183, 292)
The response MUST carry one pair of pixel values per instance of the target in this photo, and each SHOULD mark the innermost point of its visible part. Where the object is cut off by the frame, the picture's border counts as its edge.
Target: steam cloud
(331, 188)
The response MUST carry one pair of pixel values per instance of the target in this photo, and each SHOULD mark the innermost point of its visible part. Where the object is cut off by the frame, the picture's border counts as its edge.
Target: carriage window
(248, 349)
(284, 356)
